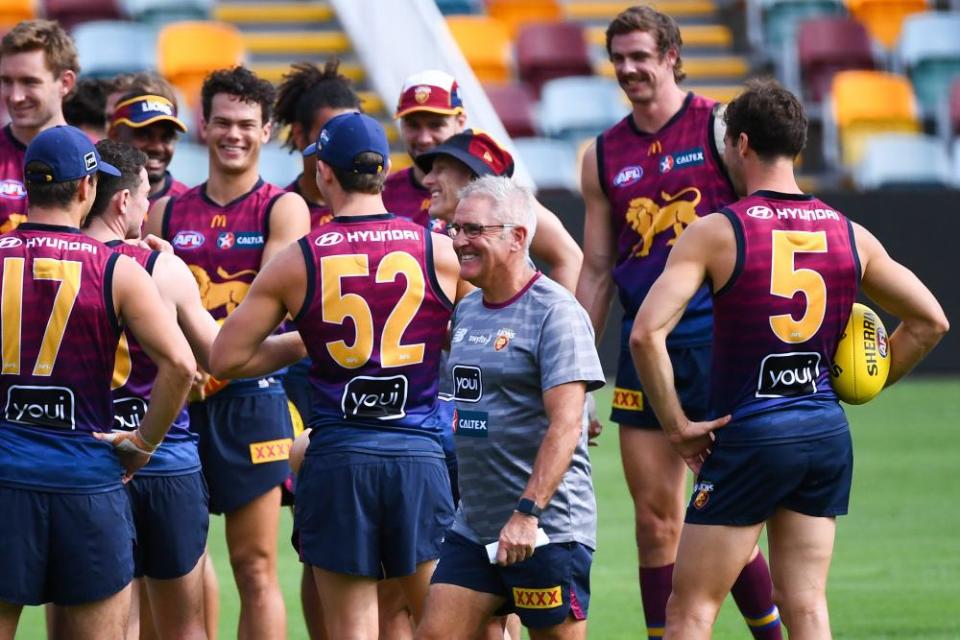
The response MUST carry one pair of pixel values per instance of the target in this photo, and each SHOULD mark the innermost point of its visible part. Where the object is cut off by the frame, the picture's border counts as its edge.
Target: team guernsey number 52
(338, 306)
(68, 273)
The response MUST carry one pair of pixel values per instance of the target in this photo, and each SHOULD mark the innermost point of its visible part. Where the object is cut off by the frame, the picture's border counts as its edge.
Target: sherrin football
(862, 361)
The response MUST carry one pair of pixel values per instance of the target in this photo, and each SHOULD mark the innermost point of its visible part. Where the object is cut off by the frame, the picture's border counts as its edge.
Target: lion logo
(648, 219)
(11, 223)
(227, 294)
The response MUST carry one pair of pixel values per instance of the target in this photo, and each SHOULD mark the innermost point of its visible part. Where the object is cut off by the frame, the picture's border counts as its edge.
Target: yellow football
(862, 361)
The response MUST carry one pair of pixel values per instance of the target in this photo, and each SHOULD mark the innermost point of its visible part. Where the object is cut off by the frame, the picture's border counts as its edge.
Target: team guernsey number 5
(786, 280)
(338, 306)
(68, 273)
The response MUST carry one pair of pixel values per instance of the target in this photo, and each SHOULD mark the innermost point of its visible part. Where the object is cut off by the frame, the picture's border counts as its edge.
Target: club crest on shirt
(701, 494)
(503, 339)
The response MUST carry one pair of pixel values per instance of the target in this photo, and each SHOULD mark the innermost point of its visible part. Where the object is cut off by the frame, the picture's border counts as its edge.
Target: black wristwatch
(528, 507)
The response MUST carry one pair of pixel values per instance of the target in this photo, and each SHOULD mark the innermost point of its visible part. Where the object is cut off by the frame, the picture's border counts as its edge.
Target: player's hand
(517, 539)
(154, 243)
(197, 391)
(131, 448)
(594, 426)
(694, 441)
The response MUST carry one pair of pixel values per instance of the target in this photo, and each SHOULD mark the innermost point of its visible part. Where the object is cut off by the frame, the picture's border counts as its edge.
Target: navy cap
(477, 149)
(345, 137)
(68, 153)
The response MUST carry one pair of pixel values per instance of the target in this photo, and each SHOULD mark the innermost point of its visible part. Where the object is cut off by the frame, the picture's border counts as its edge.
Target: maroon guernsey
(13, 193)
(405, 196)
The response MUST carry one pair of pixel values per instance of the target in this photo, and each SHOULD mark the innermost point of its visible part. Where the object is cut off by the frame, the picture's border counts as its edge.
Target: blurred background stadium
(881, 82)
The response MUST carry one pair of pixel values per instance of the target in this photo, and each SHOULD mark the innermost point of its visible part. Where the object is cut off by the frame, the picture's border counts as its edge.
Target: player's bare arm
(564, 407)
(554, 246)
(447, 266)
(279, 288)
(153, 225)
(595, 284)
(289, 221)
(708, 252)
(178, 288)
(898, 291)
(140, 308)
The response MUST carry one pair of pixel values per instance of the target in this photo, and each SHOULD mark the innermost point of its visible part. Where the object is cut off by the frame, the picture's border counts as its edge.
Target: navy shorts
(447, 409)
(369, 515)
(543, 590)
(296, 385)
(745, 485)
(244, 443)
(68, 549)
(170, 513)
(691, 372)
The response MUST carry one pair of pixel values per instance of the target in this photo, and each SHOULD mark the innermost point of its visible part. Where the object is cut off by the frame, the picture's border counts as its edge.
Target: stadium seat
(552, 163)
(780, 18)
(579, 107)
(826, 46)
(188, 51)
(903, 160)
(884, 18)
(455, 7)
(954, 108)
(190, 164)
(110, 47)
(70, 13)
(515, 13)
(14, 11)
(551, 50)
(955, 167)
(161, 12)
(278, 166)
(516, 106)
(929, 48)
(865, 103)
(485, 44)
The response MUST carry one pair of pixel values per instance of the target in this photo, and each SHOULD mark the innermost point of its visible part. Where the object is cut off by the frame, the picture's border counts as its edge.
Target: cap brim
(425, 160)
(107, 168)
(176, 122)
(311, 149)
(428, 109)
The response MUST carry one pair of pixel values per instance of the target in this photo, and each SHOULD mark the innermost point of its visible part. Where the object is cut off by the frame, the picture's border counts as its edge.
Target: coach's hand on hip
(517, 539)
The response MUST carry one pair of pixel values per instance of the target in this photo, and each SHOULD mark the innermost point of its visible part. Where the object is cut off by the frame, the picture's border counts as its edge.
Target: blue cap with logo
(68, 155)
(345, 137)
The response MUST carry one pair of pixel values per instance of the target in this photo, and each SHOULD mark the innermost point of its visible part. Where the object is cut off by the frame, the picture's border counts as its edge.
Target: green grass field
(896, 569)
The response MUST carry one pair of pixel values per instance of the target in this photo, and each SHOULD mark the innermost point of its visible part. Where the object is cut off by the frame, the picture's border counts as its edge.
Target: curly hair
(242, 83)
(306, 89)
(663, 28)
(772, 118)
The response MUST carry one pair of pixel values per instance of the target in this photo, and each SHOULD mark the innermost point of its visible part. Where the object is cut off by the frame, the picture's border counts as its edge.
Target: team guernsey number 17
(338, 306)
(68, 273)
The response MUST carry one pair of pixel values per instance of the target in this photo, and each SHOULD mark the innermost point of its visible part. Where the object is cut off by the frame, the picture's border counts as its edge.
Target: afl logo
(226, 240)
(12, 189)
(881, 336)
(628, 176)
(760, 212)
(8, 242)
(188, 240)
(329, 239)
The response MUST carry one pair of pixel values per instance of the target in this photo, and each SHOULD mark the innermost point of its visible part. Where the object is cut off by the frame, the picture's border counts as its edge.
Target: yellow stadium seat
(884, 18)
(14, 11)
(188, 51)
(514, 13)
(485, 43)
(866, 103)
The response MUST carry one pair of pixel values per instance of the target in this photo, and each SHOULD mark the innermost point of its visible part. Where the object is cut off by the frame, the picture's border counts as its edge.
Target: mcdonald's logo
(655, 148)
(218, 220)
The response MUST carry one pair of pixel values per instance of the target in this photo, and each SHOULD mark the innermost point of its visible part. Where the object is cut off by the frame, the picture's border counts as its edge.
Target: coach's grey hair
(512, 203)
